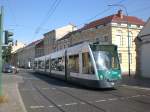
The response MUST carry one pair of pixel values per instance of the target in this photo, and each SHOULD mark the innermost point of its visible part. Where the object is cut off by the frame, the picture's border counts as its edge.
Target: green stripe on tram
(109, 74)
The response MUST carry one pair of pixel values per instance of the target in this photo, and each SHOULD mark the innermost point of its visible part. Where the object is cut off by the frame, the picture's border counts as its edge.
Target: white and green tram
(92, 65)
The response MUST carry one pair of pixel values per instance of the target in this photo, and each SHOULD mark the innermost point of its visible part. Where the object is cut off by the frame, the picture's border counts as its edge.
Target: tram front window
(105, 60)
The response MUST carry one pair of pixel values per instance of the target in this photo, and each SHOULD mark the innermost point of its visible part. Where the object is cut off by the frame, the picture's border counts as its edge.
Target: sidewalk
(10, 90)
(136, 81)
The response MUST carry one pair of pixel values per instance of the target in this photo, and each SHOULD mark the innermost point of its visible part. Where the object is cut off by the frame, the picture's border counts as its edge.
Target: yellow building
(109, 30)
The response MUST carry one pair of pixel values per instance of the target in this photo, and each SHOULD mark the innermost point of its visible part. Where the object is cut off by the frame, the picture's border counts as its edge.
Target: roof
(145, 30)
(114, 18)
(34, 43)
(68, 34)
(108, 19)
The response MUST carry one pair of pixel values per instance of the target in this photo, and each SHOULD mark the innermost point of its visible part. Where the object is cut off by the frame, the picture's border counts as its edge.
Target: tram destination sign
(96, 47)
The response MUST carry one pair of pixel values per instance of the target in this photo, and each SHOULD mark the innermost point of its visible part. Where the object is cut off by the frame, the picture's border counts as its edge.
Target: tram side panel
(81, 68)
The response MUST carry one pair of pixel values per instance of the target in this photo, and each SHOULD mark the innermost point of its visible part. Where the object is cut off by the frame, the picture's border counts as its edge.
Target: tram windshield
(106, 60)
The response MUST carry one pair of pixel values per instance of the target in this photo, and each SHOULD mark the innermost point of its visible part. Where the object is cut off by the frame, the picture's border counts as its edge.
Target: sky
(30, 19)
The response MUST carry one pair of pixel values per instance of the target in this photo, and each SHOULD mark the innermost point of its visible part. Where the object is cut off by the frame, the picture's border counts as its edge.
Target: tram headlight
(101, 77)
(119, 75)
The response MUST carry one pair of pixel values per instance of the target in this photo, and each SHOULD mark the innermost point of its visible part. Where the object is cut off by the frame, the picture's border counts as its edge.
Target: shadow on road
(62, 83)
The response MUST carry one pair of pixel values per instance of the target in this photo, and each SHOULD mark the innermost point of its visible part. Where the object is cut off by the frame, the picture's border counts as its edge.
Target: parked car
(7, 68)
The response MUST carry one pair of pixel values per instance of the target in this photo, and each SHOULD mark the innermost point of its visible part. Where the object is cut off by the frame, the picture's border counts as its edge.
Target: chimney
(120, 14)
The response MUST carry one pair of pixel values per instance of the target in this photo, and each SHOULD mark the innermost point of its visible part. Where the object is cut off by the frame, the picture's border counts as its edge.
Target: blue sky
(23, 17)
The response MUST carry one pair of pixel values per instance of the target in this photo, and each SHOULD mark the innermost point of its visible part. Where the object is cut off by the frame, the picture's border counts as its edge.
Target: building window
(119, 38)
(97, 39)
(119, 24)
(130, 39)
(120, 57)
(129, 25)
(105, 38)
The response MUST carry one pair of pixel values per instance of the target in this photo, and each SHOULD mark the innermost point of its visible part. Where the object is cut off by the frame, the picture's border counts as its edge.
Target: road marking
(36, 107)
(136, 96)
(82, 103)
(59, 105)
(51, 106)
(27, 89)
(45, 88)
(136, 87)
(112, 99)
(31, 78)
(122, 98)
(100, 100)
(63, 87)
(70, 104)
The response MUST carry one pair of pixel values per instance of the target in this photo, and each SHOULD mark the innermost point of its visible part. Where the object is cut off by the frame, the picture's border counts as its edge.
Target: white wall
(145, 60)
(60, 32)
(18, 46)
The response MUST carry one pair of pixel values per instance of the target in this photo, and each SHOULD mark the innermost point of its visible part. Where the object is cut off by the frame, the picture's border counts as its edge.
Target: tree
(6, 56)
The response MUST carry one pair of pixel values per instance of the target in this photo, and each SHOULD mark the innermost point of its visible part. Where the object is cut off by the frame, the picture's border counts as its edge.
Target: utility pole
(129, 41)
(1, 36)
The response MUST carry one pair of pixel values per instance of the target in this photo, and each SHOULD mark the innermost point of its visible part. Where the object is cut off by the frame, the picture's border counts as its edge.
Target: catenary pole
(129, 40)
(1, 36)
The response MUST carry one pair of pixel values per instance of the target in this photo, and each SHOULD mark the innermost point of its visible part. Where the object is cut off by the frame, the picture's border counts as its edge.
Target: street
(41, 93)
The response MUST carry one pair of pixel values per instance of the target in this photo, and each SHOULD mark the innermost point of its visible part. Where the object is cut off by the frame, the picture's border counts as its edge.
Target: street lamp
(122, 6)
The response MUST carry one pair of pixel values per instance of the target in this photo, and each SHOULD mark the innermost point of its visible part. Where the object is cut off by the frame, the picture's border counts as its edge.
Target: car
(7, 68)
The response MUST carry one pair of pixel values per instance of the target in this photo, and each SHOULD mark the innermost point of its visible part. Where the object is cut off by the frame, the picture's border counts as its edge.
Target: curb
(20, 100)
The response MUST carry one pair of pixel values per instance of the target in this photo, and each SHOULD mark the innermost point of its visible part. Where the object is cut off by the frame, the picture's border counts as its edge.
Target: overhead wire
(50, 12)
(140, 10)
(100, 13)
(48, 15)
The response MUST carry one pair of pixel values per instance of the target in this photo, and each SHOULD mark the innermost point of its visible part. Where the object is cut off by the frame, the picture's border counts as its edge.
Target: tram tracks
(79, 99)
(60, 107)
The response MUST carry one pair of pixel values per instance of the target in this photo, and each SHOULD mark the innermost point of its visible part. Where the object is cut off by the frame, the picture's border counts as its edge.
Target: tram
(92, 65)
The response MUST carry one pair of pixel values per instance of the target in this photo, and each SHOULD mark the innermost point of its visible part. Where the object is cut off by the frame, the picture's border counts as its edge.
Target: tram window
(39, 64)
(35, 64)
(61, 64)
(74, 63)
(47, 64)
(114, 62)
(53, 64)
(87, 67)
(58, 64)
(42, 65)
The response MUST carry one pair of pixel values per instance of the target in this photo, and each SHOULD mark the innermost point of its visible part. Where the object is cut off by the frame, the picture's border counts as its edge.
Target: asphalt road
(44, 94)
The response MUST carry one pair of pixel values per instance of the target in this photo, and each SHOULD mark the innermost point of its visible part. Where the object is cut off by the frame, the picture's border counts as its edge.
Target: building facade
(109, 30)
(17, 45)
(143, 51)
(24, 57)
(39, 48)
(51, 37)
